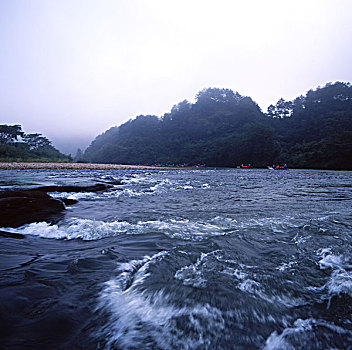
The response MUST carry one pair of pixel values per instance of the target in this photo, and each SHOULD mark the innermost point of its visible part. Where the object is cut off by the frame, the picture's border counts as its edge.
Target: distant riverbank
(23, 166)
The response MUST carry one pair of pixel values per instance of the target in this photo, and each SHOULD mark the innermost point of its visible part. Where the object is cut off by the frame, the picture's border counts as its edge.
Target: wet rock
(69, 201)
(24, 193)
(11, 235)
(17, 211)
(20, 207)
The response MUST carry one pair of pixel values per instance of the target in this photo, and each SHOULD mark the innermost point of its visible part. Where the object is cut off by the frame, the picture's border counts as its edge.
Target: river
(183, 259)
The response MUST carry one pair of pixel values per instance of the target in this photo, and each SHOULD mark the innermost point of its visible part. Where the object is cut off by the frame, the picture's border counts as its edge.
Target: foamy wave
(275, 224)
(179, 228)
(286, 266)
(149, 186)
(75, 229)
(250, 286)
(329, 260)
(138, 319)
(303, 333)
(74, 195)
(160, 185)
(87, 229)
(112, 180)
(187, 229)
(197, 274)
(340, 281)
(134, 178)
(256, 289)
(135, 271)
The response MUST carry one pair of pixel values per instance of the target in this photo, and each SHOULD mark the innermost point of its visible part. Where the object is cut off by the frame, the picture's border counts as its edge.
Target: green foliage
(223, 128)
(318, 132)
(9, 133)
(215, 130)
(32, 147)
(36, 141)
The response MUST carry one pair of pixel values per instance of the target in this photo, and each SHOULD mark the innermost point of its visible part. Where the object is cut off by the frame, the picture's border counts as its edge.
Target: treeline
(17, 146)
(223, 128)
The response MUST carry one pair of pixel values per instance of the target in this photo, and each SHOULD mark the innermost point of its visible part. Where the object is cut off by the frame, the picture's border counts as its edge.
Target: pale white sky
(71, 69)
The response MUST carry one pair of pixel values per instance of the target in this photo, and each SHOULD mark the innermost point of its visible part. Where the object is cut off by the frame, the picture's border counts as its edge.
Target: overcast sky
(71, 69)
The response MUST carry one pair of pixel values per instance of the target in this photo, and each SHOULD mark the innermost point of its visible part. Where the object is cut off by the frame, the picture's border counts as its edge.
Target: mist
(72, 69)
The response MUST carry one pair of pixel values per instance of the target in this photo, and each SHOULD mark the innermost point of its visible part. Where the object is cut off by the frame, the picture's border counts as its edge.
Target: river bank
(23, 166)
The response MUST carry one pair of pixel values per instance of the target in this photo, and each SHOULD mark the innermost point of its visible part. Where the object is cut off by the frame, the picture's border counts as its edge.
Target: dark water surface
(191, 259)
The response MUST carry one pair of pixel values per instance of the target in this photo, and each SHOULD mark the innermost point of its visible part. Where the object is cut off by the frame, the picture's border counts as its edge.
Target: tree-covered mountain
(315, 131)
(223, 128)
(15, 145)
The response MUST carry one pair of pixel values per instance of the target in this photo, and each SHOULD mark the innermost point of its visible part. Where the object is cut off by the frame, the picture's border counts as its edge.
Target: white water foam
(133, 179)
(329, 260)
(74, 195)
(160, 185)
(75, 229)
(250, 286)
(129, 188)
(196, 275)
(138, 319)
(340, 281)
(193, 275)
(295, 334)
(286, 266)
(88, 229)
(277, 225)
(256, 289)
(178, 228)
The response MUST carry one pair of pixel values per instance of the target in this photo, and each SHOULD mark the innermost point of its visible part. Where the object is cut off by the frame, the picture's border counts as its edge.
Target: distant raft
(244, 166)
(278, 167)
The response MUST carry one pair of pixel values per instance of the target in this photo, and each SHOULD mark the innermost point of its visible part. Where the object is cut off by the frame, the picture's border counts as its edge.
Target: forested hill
(223, 128)
(15, 145)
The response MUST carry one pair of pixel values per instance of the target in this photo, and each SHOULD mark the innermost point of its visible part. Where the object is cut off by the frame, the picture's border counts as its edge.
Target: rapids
(182, 259)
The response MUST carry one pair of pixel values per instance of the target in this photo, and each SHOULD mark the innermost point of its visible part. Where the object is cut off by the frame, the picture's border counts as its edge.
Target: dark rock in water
(19, 207)
(93, 188)
(17, 211)
(69, 201)
(11, 235)
(24, 193)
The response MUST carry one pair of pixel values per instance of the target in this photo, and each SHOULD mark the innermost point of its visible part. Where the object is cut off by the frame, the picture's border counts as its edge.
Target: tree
(35, 141)
(282, 109)
(31, 147)
(223, 128)
(212, 95)
(9, 133)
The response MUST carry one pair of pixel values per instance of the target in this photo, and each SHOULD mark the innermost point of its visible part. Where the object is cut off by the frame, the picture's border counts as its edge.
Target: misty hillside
(224, 128)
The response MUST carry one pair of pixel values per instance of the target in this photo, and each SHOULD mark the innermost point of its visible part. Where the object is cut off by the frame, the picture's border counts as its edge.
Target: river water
(183, 259)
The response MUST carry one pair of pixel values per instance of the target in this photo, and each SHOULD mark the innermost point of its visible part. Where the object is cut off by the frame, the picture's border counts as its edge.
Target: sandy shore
(9, 166)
